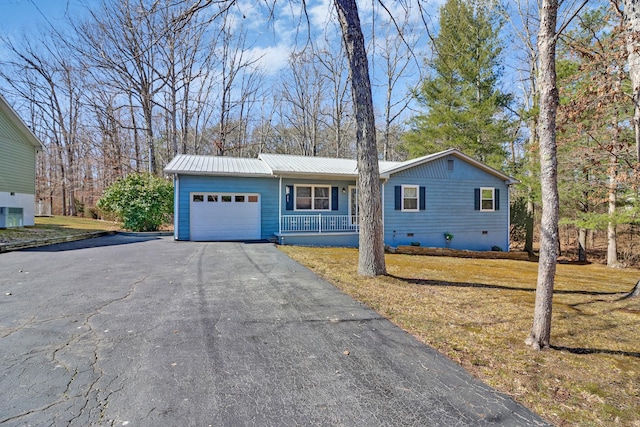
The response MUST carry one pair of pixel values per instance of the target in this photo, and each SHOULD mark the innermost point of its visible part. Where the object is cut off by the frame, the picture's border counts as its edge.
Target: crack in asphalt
(69, 348)
(99, 373)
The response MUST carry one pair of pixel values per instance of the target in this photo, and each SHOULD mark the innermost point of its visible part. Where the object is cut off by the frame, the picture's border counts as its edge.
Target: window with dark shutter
(486, 199)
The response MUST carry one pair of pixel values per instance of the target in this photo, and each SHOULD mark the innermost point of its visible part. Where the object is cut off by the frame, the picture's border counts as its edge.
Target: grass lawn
(479, 312)
(55, 226)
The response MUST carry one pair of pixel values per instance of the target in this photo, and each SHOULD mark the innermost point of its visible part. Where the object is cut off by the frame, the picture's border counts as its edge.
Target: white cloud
(271, 59)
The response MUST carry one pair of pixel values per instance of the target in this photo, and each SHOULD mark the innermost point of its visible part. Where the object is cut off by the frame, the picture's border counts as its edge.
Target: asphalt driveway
(125, 330)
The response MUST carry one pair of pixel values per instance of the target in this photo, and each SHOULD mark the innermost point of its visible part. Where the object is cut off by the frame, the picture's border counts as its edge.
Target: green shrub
(143, 202)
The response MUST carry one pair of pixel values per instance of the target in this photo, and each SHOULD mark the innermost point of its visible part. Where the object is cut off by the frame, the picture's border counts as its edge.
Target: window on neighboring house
(487, 199)
(410, 197)
(309, 197)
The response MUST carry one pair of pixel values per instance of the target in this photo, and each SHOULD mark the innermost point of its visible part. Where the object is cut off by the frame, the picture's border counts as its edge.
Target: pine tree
(465, 108)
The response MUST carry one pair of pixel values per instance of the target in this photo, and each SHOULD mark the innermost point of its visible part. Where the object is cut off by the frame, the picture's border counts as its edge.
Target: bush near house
(142, 202)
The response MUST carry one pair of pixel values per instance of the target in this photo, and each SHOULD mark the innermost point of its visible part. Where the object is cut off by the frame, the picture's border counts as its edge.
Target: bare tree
(541, 331)
(120, 41)
(238, 82)
(338, 116)
(371, 254)
(630, 12)
(397, 53)
(523, 19)
(43, 73)
(303, 92)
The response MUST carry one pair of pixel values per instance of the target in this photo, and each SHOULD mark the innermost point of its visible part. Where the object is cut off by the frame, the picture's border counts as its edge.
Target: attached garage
(225, 216)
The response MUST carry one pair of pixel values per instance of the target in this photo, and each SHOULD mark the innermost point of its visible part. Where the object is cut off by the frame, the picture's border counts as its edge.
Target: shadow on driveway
(96, 242)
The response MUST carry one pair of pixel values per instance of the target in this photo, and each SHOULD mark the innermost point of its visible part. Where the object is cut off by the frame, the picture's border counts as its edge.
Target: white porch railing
(319, 223)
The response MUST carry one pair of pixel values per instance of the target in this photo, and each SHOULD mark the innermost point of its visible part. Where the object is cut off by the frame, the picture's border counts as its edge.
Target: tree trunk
(371, 253)
(582, 245)
(529, 225)
(528, 240)
(541, 331)
(632, 23)
(612, 242)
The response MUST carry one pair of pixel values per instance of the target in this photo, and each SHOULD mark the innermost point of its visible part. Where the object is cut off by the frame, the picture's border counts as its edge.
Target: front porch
(319, 230)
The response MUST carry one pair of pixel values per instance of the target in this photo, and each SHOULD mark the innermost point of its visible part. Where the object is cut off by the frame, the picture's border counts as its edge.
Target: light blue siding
(343, 199)
(349, 240)
(449, 208)
(267, 187)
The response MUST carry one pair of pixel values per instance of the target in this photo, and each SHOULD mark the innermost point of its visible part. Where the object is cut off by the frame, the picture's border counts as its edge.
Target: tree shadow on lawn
(442, 283)
(580, 350)
(573, 350)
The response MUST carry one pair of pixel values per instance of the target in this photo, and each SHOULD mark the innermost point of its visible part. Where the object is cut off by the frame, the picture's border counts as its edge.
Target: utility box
(11, 217)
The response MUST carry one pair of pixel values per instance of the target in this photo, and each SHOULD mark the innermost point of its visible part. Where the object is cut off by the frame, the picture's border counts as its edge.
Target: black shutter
(497, 198)
(334, 198)
(477, 199)
(289, 197)
(398, 190)
(423, 198)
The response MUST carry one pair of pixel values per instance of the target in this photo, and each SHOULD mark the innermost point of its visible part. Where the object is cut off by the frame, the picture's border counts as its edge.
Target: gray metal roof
(285, 164)
(306, 165)
(213, 165)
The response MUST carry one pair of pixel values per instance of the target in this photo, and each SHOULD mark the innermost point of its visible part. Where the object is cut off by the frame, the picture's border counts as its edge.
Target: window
(226, 199)
(198, 197)
(487, 199)
(253, 199)
(239, 199)
(321, 198)
(212, 198)
(409, 197)
(309, 197)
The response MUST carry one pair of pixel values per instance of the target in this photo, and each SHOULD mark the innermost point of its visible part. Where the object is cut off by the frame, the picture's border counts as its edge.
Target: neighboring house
(314, 200)
(18, 148)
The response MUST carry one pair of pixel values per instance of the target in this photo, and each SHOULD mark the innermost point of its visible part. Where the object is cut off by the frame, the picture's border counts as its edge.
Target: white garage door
(225, 216)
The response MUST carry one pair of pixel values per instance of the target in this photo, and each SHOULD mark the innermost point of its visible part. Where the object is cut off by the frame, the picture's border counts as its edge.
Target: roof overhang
(24, 129)
(230, 174)
(312, 175)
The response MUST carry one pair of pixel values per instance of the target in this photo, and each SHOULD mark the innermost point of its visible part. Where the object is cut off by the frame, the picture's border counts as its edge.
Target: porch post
(508, 243)
(280, 206)
(382, 202)
(176, 206)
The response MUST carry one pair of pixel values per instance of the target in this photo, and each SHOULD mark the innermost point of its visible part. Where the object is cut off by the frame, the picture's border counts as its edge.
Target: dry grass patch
(478, 313)
(56, 226)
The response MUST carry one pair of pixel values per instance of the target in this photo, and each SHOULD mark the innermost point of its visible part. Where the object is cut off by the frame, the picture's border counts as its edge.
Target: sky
(17, 16)
(272, 43)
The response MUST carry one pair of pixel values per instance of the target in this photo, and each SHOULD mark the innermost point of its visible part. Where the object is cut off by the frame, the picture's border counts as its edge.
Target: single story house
(447, 199)
(18, 148)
